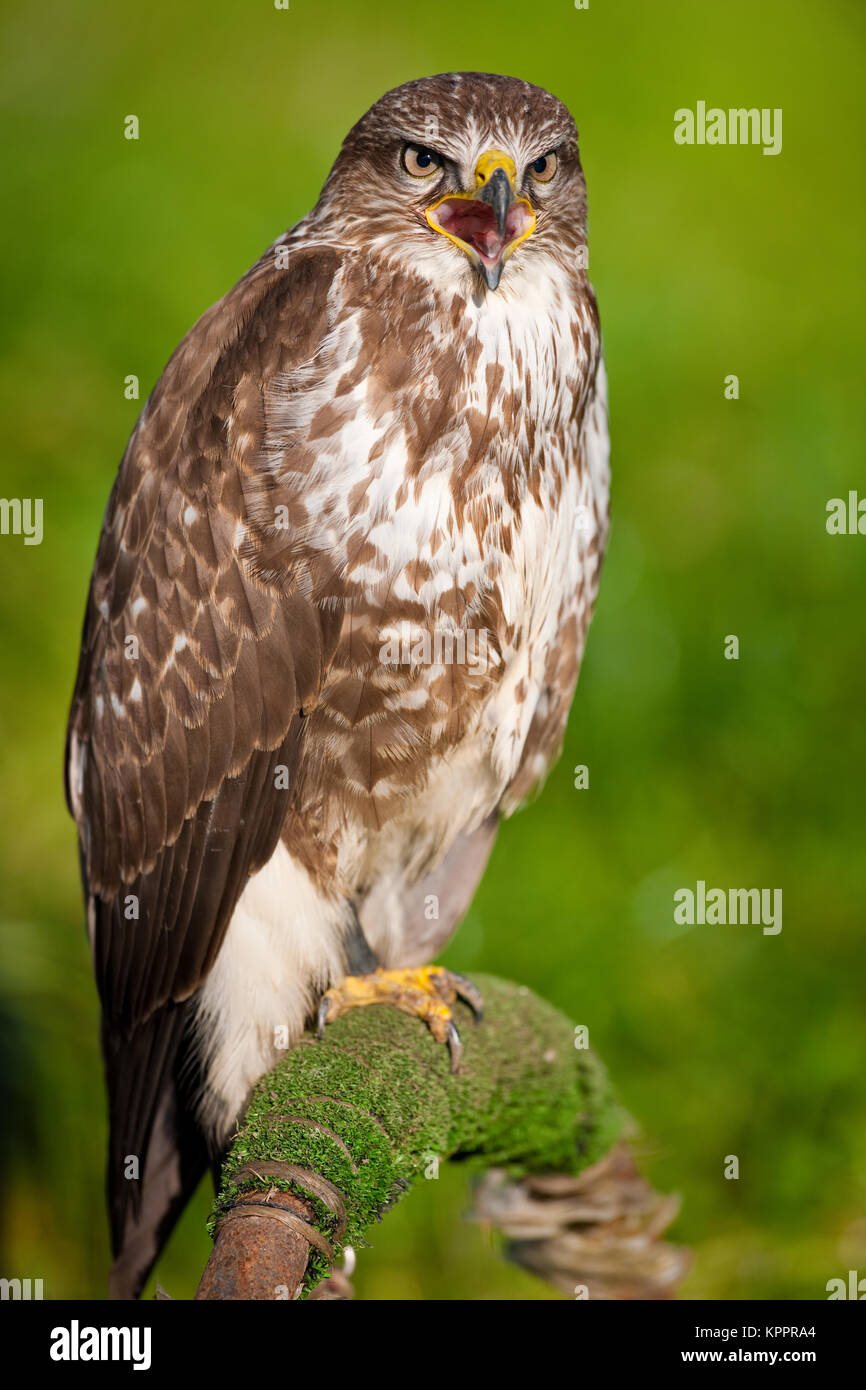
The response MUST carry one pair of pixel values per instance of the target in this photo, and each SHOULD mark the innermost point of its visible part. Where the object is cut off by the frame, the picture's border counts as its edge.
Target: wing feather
(174, 738)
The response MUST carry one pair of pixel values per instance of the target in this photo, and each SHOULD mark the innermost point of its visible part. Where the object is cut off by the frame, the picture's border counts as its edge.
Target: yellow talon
(425, 992)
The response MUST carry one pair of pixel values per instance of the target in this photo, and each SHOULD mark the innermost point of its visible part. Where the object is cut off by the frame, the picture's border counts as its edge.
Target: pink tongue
(475, 226)
(487, 243)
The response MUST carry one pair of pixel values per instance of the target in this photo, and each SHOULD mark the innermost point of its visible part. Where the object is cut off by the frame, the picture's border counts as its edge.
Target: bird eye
(542, 170)
(420, 162)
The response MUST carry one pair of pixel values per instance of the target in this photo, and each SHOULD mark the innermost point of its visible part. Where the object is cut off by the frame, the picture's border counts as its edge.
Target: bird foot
(425, 992)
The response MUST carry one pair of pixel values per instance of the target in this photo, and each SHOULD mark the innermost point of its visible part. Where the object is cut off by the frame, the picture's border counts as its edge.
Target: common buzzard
(336, 616)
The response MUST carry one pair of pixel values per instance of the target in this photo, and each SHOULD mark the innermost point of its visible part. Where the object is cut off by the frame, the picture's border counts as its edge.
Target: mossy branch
(338, 1131)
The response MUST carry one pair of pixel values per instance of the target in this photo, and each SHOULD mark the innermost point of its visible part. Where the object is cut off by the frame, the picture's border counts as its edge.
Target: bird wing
(193, 673)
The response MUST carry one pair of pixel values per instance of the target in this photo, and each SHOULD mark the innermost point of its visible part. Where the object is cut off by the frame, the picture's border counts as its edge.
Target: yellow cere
(492, 160)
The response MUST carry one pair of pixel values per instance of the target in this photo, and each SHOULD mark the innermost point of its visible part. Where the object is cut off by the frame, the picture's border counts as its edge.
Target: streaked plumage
(360, 442)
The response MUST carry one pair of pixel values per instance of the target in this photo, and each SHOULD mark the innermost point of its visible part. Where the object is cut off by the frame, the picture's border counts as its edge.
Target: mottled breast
(448, 493)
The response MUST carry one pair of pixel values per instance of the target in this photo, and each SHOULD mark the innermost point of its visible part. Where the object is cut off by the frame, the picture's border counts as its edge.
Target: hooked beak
(498, 193)
(489, 224)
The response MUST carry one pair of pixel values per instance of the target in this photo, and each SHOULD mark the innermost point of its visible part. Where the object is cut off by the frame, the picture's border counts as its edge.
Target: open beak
(490, 223)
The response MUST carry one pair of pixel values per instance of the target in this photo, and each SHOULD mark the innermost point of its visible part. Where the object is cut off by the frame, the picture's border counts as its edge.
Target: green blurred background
(706, 261)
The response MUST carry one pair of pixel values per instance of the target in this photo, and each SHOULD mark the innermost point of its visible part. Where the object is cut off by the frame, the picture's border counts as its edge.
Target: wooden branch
(338, 1131)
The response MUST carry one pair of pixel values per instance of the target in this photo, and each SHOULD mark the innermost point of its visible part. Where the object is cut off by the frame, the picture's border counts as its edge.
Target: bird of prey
(336, 617)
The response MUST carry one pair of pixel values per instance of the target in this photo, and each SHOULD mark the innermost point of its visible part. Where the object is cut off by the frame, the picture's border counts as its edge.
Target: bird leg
(425, 992)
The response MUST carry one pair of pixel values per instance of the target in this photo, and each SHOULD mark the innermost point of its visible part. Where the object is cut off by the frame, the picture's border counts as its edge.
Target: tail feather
(156, 1152)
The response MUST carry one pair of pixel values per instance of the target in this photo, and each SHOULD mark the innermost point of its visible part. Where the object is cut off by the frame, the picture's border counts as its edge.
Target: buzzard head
(458, 174)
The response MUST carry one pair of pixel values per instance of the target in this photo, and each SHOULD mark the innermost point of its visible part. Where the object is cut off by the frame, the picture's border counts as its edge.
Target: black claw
(470, 994)
(455, 1046)
(322, 1017)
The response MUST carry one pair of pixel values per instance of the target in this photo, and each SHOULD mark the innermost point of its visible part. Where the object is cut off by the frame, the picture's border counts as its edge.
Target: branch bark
(339, 1130)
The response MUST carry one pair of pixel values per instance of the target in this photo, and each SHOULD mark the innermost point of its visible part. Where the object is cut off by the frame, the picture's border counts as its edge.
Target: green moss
(374, 1104)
